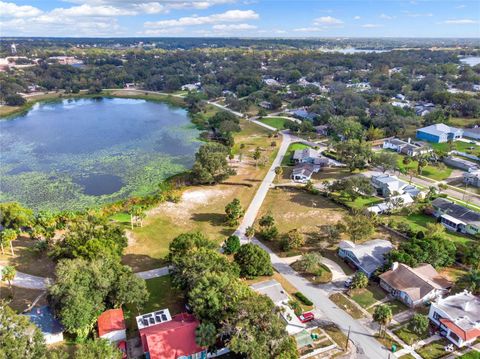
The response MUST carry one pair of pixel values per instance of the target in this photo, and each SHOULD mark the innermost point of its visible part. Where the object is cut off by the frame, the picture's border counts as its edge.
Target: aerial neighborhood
(272, 198)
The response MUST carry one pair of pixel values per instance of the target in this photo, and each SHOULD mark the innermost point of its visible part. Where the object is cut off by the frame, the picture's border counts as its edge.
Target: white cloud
(8, 9)
(308, 29)
(386, 17)
(327, 21)
(164, 5)
(228, 16)
(356, 17)
(417, 14)
(371, 26)
(460, 6)
(88, 10)
(459, 22)
(230, 27)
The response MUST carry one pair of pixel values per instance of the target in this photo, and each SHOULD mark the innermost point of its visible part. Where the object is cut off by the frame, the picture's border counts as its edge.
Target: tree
(385, 161)
(279, 171)
(256, 330)
(293, 240)
(471, 256)
(309, 262)
(419, 324)
(250, 232)
(234, 212)
(211, 165)
(352, 187)
(358, 226)
(231, 245)
(422, 163)
(8, 274)
(354, 153)
(7, 236)
(268, 230)
(18, 338)
(98, 348)
(14, 216)
(332, 231)
(136, 215)
(383, 316)
(256, 155)
(206, 335)
(15, 100)
(472, 281)
(253, 261)
(360, 280)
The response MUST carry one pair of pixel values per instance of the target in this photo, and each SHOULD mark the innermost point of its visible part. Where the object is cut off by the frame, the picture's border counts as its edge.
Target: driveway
(29, 281)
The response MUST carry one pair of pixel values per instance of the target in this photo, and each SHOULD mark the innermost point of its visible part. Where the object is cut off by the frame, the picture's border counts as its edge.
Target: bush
(360, 280)
(301, 297)
(231, 245)
(420, 234)
(297, 308)
(253, 261)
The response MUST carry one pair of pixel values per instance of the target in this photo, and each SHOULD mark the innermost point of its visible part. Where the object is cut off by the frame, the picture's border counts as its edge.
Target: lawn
(287, 159)
(345, 304)
(388, 341)
(366, 297)
(470, 355)
(407, 356)
(458, 146)
(395, 305)
(162, 296)
(419, 221)
(336, 334)
(434, 350)
(359, 202)
(430, 171)
(202, 208)
(408, 336)
(277, 122)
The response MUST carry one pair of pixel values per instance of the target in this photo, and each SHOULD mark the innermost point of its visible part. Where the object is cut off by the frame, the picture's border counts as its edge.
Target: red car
(306, 317)
(122, 345)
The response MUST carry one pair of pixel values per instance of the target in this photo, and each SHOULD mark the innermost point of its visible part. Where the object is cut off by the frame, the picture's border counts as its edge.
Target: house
(279, 297)
(191, 87)
(439, 133)
(306, 155)
(303, 114)
(458, 317)
(414, 286)
(166, 337)
(455, 217)
(266, 105)
(408, 147)
(130, 85)
(472, 178)
(111, 325)
(360, 86)
(366, 257)
(461, 163)
(388, 185)
(393, 203)
(303, 172)
(424, 109)
(50, 327)
(473, 132)
(271, 82)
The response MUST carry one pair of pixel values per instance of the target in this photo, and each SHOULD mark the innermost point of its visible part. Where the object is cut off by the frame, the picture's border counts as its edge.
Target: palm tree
(249, 232)
(279, 171)
(8, 274)
(7, 237)
(206, 335)
(472, 280)
(383, 316)
(256, 155)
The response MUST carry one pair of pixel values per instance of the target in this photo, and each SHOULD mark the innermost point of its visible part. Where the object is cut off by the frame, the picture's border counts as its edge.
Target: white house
(395, 202)
(368, 256)
(458, 317)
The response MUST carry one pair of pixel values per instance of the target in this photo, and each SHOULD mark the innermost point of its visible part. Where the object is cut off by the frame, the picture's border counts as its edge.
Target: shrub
(253, 261)
(231, 245)
(297, 309)
(360, 280)
(301, 297)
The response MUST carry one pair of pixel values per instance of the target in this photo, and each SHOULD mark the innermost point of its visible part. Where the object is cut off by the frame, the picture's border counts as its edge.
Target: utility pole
(348, 338)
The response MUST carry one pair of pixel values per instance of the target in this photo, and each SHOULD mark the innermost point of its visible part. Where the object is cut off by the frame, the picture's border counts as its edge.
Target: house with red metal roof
(111, 325)
(458, 317)
(166, 337)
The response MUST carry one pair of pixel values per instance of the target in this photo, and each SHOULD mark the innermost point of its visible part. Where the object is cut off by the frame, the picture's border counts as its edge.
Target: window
(436, 316)
(454, 336)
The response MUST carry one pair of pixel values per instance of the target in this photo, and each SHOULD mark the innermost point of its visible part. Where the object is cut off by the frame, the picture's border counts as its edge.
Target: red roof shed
(111, 320)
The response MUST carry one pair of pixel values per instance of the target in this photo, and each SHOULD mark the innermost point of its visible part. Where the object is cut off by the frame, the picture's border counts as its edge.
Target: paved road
(153, 273)
(29, 281)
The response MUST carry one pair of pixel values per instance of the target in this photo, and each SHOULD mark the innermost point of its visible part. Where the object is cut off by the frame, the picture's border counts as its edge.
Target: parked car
(348, 282)
(306, 317)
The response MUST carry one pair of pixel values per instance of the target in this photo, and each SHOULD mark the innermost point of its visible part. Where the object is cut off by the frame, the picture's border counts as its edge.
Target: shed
(50, 327)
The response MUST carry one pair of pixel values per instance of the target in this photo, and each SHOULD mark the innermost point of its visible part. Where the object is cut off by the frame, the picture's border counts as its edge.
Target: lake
(471, 60)
(79, 153)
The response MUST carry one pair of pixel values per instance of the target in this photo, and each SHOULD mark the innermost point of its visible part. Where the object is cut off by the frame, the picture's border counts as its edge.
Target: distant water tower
(13, 49)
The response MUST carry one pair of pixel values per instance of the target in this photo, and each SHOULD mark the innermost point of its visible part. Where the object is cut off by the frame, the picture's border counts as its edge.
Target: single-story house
(303, 114)
(422, 109)
(111, 325)
(191, 87)
(472, 178)
(414, 286)
(473, 132)
(366, 257)
(306, 155)
(395, 202)
(408, 147)
(439, 133)
(279, 297)
(455, 217)
(458, 317)
(166, 337)
(50, 327)
(388, 185)
(303, 172)
(460, 163)
(266, 105)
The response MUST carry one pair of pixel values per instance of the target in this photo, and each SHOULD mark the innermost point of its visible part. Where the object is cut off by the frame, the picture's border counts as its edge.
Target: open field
(460, 146)
(202, 208)
(344, 303)
(277, 122)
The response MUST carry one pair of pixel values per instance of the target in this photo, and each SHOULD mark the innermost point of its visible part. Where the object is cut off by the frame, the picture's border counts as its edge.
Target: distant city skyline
(243, 18)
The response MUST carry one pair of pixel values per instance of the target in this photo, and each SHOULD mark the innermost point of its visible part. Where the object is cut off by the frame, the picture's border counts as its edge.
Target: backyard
(438, 173)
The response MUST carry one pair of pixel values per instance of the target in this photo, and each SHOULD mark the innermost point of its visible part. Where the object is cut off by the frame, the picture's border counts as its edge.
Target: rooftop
(153, 318)
(370, 254)
(457, 211)
(110, 321)
(438, 129)
(272, 289)
(44, 319)
(463, 309)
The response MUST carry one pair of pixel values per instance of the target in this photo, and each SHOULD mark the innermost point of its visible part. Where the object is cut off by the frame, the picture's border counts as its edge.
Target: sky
(240, 18)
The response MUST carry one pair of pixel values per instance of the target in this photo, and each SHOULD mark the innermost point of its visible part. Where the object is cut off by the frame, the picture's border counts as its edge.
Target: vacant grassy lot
(366, 297)
(287, 159)
(202, 208)
(347, 305)
(438, 173)
(457, 145)
(277, 122)
(434, 350)
(408, 336)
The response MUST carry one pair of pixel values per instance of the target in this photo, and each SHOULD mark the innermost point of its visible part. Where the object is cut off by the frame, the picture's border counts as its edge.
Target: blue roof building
(50, 327)
(303, 114)
(439, 133)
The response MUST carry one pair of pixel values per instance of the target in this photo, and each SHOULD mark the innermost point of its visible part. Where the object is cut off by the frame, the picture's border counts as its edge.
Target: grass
(345, 304)
(336, 334)
(366, 297)
(459, 146)
(434, 350)
(430, 171)
(388, 341)
(407, 356)
(322, 274)
(409, 336)
(395, 305)
(162, 296)
(470, 355)
(277, 122)
(287, 159)
(204, 208)
(360, 202)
